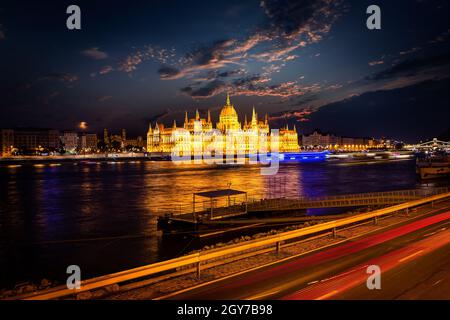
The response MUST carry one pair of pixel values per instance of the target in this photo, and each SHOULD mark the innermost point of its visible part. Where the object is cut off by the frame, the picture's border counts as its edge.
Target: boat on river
(433, 165)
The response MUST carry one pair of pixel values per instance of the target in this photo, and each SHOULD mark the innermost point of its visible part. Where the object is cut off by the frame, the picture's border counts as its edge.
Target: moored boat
(432, 166)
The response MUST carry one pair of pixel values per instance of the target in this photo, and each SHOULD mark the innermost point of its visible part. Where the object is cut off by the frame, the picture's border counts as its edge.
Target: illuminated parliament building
(198, 135)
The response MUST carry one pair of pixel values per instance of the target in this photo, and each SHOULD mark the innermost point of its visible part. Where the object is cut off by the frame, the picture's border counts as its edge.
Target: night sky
(311, 63)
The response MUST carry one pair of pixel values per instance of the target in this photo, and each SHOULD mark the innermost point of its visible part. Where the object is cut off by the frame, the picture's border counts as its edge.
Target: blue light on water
(304, 156)
(290, 157)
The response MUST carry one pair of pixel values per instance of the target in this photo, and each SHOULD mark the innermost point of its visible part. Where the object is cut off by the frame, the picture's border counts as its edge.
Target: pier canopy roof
(215, 209)
(219, 193)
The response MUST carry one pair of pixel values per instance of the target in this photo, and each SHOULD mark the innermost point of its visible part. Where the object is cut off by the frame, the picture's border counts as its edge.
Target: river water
(99, 215)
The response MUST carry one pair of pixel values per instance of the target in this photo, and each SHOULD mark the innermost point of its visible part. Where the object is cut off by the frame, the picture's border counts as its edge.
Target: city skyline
(200, 116)
(312, 63)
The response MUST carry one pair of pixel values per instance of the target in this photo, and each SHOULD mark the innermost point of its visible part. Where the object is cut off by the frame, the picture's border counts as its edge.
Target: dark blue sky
(136, 61)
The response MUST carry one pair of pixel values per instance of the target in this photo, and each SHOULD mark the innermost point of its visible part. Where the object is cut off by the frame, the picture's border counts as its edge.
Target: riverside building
(198, 135)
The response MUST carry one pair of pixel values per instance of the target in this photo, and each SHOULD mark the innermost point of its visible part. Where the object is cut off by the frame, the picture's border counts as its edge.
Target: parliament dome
(228, 110)
(228, 119)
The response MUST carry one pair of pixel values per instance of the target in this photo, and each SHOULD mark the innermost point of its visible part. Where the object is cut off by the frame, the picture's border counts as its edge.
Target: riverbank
(73, 158)
(284, 157)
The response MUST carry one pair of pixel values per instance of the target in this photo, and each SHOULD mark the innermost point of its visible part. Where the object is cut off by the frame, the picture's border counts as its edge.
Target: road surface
(414, 259)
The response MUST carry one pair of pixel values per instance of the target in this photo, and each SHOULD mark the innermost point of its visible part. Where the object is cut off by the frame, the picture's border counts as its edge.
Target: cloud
(220, 54)
(282, 90)
(307, 21)
(280, 53)
(291, 25)
(412, 67)
(258, 85)
(208, 58)
(94, 53)
(130, 63)
(273, 68)
(395, 58)
(376, 63)
(211, 89)
(297, 115)
(402, 73)
(442, 37)
(61, 77)
(224, 65)
(334, 86)
(231, 73)
(103, 98)
(212, 53)
(221, 75)
(288, 26)
(168, 73)
(253, 85)
(409, 51)
(405, 106)
(104, 70)
(169, 115)
(248, 81)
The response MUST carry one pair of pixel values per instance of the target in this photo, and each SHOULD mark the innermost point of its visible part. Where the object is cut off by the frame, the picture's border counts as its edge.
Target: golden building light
(249, 137)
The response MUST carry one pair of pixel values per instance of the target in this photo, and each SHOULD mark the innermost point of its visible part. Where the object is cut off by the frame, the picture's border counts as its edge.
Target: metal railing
(197, 259)
(358, 199)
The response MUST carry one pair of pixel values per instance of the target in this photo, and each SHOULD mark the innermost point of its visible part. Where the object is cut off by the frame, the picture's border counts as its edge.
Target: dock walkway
(303, 203)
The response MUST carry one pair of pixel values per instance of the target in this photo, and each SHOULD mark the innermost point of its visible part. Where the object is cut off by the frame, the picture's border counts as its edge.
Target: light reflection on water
(42, 208)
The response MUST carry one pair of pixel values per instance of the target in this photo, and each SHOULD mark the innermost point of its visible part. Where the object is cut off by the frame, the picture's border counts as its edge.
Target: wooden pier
(259, 208)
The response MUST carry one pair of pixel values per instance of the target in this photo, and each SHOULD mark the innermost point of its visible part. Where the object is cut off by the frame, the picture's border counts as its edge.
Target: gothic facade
(198, 135)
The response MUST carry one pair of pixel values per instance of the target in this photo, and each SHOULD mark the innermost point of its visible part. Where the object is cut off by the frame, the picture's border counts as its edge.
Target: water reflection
(170, 186)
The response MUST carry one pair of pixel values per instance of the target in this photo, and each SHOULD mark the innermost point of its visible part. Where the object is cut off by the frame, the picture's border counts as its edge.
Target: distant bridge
(432, 144)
